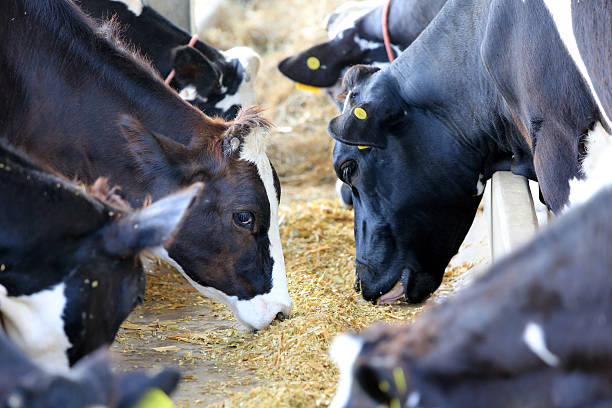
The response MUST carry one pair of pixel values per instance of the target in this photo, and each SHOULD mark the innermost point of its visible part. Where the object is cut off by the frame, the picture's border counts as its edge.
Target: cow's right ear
(358, 126)
(193, 68)
(150, 227)
(383, 383)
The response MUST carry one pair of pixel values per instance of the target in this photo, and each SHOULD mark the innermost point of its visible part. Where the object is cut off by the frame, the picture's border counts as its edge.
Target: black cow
(218, 82)
(487, 86)
(90, 383)
(533, 332)
(75, 99)
(69, 266)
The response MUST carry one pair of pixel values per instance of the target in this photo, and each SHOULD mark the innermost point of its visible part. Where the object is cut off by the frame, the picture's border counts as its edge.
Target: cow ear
(382, 382)
(358, 126)
(193, 68)
(152, 226)
(156, 156)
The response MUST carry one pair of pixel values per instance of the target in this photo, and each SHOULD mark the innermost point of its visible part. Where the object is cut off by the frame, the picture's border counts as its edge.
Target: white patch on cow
(245, 95)
(366, 44)
(135, 6)
(596, 167)
(413, 400)
(256, 313)
(344, 352)
(534, 338)
(190, 93)
(347, 101)
(344, 17)
(34, 323)
(561, 11)
(480, 185)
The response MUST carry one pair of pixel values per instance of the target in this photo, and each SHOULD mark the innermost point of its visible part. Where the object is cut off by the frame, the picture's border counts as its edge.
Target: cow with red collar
(533, 332)
(218, 82)
(117, 119)
(417, 140)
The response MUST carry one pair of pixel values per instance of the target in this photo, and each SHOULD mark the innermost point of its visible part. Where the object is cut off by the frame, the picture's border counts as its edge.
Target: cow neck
(72, 88)
(443, 72)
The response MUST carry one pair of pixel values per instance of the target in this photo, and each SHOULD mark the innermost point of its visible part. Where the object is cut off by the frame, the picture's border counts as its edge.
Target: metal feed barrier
(511, 212)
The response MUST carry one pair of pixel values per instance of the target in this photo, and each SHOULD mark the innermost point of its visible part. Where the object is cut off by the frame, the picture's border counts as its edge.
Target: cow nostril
(280, 316)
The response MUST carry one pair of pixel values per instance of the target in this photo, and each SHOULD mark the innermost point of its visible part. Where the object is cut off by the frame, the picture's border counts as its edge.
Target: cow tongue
(394, 294)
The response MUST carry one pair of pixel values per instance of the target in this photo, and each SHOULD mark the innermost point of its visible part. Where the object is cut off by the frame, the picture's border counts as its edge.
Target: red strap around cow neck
(194, 39)
(385, 31)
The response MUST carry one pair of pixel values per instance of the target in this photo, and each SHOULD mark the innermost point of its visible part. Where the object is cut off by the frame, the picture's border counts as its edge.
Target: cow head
(219, 86)
(374, 369)
(415, 187)
(229, 247)
(323, 65)
(70, 262)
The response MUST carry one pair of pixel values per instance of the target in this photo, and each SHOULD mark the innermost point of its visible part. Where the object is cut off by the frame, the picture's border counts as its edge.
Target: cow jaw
(34, 323)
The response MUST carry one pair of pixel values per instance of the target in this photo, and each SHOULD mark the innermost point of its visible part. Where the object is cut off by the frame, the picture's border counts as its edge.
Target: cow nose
(280, 316)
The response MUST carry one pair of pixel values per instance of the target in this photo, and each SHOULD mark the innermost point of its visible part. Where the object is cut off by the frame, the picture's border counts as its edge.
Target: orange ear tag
(308, 88)
(313, 63)
(360, 113)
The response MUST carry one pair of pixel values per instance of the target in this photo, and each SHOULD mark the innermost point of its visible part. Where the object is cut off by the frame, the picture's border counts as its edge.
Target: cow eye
(347, 170)
(244, 219)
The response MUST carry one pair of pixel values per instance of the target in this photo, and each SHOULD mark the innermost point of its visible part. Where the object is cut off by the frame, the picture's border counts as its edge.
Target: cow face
(323, 65)
(217, 87)
(414, 192)
(229, 247)
(70, 267)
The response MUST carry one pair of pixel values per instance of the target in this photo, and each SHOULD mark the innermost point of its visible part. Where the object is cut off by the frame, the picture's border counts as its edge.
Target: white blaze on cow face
(245, 95)
(34, 323)
(561, 11)
(534, 338)
(596, 167)
(135, 6)
(344, 352)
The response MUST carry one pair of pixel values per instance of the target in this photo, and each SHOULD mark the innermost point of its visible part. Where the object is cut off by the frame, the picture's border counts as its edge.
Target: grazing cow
(533, 332)
(78, 101)
(90, 383)
(70, 272)
(219, 83)
(360, 42)
(417, 140)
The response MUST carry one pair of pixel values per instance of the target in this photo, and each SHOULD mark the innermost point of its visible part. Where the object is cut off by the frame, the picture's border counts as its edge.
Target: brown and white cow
(76, 99)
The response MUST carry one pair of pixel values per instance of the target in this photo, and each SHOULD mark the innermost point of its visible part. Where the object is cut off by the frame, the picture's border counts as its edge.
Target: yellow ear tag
(364, 147)
(308, 88)
(360, 113)
(155, 398)
(313, 63)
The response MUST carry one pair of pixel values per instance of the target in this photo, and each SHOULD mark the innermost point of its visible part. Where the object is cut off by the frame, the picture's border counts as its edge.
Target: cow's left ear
(193, 68)
(358, 126)
(382, 382)
(150, 227)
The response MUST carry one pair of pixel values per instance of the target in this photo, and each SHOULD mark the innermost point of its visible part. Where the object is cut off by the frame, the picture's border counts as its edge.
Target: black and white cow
(356, 37)
(359, 42)
(90, 383)
(76, 99)
(69, 262)
(533, 332)
(217, 82)
(487, 86)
